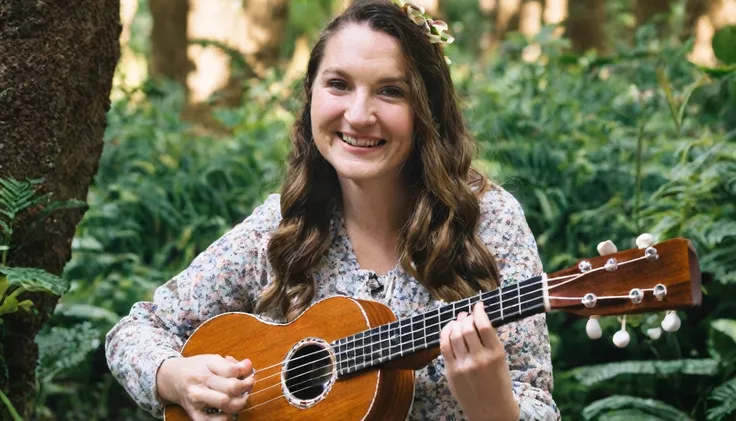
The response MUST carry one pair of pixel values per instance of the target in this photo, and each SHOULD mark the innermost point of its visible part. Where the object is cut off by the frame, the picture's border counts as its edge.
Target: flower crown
(435, 30)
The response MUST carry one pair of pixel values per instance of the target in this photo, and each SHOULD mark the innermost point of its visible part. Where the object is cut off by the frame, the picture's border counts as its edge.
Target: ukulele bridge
(309, 372)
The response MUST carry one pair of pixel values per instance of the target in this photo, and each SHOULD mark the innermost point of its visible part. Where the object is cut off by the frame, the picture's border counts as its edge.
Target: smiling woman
(361, 110)
(379, 203)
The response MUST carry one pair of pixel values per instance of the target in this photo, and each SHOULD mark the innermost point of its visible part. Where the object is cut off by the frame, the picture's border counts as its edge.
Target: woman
(379, 202)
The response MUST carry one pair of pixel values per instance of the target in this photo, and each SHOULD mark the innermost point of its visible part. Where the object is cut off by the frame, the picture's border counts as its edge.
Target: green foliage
(61, 349)
(725, 395)
(35, 280)
(592, 375)
(637, 408)
(595, 148)
(723, 44)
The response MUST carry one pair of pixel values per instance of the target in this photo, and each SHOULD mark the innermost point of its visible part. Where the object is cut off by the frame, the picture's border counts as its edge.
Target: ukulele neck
(408, 336)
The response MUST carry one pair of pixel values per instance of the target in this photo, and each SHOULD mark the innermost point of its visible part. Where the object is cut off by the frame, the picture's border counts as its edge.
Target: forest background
(135, 133)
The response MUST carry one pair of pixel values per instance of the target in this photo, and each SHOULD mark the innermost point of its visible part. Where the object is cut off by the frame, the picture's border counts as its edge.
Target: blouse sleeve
(227, 276)
(505, 231)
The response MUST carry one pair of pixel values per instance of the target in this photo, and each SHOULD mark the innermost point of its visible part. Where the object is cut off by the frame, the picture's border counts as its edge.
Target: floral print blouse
(229, 275)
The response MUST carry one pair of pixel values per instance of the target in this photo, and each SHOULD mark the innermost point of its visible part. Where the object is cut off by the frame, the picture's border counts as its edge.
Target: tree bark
(647, 9)
(169, 40)
(58, 60)
(585, 25)
(265, 21)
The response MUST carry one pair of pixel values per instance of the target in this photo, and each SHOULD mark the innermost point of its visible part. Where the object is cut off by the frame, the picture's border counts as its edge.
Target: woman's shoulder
(497, 204)
(264, 218)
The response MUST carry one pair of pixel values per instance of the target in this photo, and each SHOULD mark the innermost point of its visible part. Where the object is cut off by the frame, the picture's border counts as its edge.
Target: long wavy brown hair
(438, 245)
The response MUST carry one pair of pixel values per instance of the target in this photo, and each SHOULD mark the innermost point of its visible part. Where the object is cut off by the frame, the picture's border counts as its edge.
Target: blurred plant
(16, 198)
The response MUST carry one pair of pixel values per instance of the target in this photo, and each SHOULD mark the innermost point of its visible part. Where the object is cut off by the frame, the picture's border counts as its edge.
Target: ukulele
(351, 359)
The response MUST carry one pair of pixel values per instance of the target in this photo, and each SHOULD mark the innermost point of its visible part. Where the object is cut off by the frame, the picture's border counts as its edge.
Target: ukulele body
(385, 393)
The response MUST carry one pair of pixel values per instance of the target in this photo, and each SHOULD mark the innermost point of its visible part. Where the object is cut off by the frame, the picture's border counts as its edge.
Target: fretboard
(407, 336)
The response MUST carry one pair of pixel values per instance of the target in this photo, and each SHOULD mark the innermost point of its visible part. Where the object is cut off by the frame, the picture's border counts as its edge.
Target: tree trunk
(647, 9)
(585, 25)
(169, 40)
(265, 21)
(58, 60)
(506, 19)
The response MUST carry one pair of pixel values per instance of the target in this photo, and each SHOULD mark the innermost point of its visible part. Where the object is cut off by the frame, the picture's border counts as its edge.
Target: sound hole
(308, 372)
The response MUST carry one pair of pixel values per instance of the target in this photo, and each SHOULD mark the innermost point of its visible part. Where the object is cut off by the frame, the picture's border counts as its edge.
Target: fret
(359, 346)
(518, 295)
(446, 314)
(510, 299)
(432, 327)
(417, 332)
(402, 337)
(492, 304)
(342, 354)
(395, 339)
(406, 336)
(372, 346)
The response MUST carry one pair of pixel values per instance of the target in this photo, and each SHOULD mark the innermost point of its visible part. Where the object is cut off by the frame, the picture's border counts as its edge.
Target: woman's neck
(378, 209)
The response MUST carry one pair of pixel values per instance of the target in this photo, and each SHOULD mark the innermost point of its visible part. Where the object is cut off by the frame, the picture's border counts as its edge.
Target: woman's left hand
(476, 368)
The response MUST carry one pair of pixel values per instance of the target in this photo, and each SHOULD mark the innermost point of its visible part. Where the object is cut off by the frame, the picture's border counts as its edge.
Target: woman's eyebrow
(387, 79)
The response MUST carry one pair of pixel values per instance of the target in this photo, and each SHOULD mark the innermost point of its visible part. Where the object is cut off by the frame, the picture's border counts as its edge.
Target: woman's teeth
(362, 143)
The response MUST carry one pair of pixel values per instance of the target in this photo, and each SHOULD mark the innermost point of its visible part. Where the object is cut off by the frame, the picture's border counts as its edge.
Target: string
(411, 332)
(410, 325)
(319, 377)
(496, 292)
(577, 276)
(427, 312)
(363, 355)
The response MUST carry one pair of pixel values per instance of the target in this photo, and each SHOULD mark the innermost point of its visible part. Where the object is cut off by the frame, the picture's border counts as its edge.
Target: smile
(361, 142)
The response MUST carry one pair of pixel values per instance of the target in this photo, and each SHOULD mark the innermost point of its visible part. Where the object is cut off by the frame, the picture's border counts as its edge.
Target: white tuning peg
(622, 338)
(645, 240)
(606, 247)
(671, 322)
(593, 328)
(654, 333)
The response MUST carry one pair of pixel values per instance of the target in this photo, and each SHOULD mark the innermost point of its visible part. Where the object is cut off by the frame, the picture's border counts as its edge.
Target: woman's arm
(227, 276)
(505, 231)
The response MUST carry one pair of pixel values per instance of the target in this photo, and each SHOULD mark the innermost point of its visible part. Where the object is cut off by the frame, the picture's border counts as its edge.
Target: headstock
(672, 264)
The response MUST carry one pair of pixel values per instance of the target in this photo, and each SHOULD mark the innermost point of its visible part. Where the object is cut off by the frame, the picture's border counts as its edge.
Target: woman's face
(362, 118)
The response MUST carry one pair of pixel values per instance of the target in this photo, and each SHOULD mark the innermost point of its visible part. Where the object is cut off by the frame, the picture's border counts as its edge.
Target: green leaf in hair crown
(436, 30)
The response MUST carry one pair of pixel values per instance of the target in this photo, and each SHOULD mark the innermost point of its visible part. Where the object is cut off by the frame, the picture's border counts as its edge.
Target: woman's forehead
(358, 47)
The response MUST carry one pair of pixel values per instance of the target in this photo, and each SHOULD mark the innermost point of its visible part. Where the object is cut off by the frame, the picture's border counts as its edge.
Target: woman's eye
(393, 92)
(337, 84)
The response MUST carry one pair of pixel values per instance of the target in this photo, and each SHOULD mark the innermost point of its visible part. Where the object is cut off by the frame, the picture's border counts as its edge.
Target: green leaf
(62, 349)
(86, 311)
(724, 44)
(727, 327)
(726, 395)
(650, 407)
(33, 280)
(592, 375)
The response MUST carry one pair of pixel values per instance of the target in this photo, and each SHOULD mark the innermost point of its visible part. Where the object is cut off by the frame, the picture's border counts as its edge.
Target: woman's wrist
(166, 391)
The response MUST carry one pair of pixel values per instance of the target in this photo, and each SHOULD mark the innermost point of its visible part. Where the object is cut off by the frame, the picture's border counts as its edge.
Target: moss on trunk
(58, 60)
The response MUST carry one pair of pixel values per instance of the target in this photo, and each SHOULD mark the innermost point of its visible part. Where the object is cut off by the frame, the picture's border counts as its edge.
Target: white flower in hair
(436, 30)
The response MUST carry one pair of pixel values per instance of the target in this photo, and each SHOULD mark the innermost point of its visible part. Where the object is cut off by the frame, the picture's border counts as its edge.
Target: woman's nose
(360, 112)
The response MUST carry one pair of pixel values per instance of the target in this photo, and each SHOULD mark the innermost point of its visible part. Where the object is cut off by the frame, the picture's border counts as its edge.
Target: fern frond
(726, 395)
(591, 375)
(16, 196)
(650, 407)
(61, 349)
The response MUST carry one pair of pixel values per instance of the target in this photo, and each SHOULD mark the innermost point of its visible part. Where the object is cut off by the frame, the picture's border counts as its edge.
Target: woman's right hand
(206, 381)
